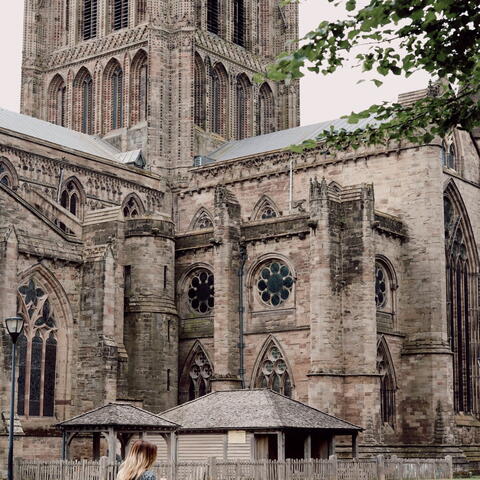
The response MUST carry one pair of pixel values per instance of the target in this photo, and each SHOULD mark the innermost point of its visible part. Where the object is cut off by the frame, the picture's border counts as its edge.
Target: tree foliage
(400, 37)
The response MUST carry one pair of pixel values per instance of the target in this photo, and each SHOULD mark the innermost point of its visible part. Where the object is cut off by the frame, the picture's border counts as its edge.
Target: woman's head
(141, 457)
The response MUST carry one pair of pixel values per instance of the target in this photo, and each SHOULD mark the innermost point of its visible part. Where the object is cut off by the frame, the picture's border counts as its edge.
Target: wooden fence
(376, 468)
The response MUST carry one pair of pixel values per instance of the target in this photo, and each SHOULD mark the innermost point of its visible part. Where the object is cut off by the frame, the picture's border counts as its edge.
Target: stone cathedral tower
(171, 77)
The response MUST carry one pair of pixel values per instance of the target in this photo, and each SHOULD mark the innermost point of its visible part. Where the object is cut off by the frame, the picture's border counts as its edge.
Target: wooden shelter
(117, 421)
(255, 424)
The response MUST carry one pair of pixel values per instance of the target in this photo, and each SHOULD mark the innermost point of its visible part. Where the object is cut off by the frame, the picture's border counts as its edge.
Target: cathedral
(161, 241)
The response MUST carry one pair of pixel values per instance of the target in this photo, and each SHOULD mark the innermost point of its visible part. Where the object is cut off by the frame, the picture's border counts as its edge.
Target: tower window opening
(87, 105)
(120, 14)
(90, 9)
(213, 17)
(239, 22)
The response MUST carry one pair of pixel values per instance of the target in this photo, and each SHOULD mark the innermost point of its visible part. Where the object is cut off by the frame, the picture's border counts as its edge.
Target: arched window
(265, 209)
(83, 104)
(90, 11)
(37, 350)
(201, 291)
(213, 16)
(385, 287)
(462, 303)
(387, 383)
(71, 198)
(7, 176)
(243, 109)
(264, 22)
(199, 92)
(113, 96)
(266, 114)
(132, 206)
(272, 370)
(196, 376)
(141, 10)
(274, 283)
(202, 220)
(139, 87)
(57, 101)
(120, 14)
(239, 22)
(219, 100)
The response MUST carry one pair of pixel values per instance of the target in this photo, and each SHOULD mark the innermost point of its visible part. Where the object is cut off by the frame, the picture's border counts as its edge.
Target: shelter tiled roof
(250, 410)
(282, 139)
(54, 134)
(118, 415)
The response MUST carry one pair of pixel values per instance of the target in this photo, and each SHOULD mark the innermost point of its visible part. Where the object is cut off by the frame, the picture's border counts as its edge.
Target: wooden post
(380, 467)
(331, 446)
(103, 468)
(112, 446)
(281, 446)
(64, 445)
(448, 458)
(333, 467)
(173, 455)
(212, 468)
(307, 447)
(354, 445)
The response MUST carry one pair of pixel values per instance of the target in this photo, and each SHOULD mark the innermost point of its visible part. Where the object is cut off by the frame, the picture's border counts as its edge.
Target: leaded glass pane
(22, 366)
(201, 291)
(381, 291)
(274, 283)
(35, 375)
(49, 380)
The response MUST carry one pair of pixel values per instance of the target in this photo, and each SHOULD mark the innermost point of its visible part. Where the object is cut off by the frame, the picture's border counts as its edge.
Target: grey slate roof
(281, 139)
(118, 415)
(251, 410)
(63, 137)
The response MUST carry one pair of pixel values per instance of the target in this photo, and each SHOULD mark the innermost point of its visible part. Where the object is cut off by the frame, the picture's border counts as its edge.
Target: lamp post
(14, 328)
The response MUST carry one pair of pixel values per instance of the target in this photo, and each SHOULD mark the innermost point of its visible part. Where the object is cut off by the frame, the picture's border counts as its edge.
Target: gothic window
(239, 22)
(387, 384)
(139, 87)
(6, 175)
(219, 100)
(272, 371)
(70, 197)
(132, 207)
(202, 220)
(83, 104)
(90, 10)
(264, 20)
(196, 375)
(201, 291)
(57, 101)
(243, 100)
(461, 274)
(141, 10)
(274, 283)
(37, 349)
(120, 14)
(199, 92)
(116, 89)
(266, 114)
(268, 212)
(385, 286)
(213, 16)
(265, 209)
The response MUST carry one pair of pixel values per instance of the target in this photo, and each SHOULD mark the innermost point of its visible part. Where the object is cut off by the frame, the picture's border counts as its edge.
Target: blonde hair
(140, 458)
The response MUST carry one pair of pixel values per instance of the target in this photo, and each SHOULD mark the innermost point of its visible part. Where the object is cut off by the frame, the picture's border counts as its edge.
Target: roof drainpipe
(241, 309)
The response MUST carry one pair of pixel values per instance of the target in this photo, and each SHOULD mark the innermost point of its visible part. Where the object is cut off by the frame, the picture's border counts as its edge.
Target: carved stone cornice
(102, 46)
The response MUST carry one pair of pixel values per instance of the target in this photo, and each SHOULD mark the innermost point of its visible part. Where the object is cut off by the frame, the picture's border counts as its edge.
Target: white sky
(322, 98)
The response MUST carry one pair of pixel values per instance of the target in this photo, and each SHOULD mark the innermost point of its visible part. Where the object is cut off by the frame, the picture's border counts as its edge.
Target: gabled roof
(132, 157)
(63, 137)
(252, 410)
(118, 415)
(280, 140)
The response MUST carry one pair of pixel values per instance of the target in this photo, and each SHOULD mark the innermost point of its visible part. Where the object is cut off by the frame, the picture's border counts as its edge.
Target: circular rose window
(201, 291)
(274, 283)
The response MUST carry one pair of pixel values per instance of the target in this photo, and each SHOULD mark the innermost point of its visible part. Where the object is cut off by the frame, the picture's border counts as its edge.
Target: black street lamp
(14, 328)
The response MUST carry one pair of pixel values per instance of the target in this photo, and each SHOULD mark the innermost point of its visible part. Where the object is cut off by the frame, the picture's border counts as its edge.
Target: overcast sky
(322, 98)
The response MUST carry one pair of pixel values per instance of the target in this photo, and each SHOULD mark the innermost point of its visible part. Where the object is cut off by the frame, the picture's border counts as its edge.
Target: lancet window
(132, 207)
(239, 22)
(243, 100)
(70, 197)
(116, 84)
(200, 373)
(6, 176)
(219, 100)
(266, 114)
(462, 304)
(57, 101)
(199, 92)
(90, 19)
(139, 87)
(385, 287)
(213, 16)
(83, 86)
(272, 371)
(120, 14)
(37, 349)
(203, 221)
(387, 384)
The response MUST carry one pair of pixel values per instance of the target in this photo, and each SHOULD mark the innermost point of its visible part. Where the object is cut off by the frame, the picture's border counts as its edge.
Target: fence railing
(375, 468)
